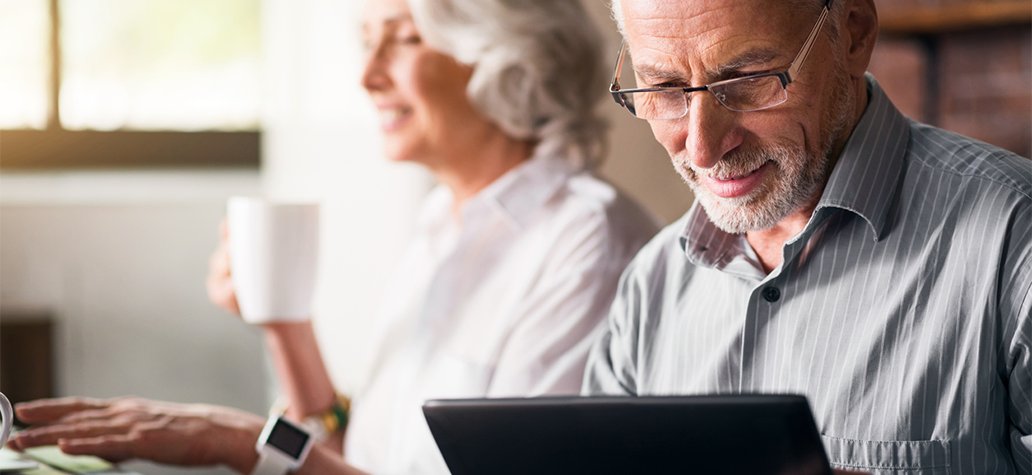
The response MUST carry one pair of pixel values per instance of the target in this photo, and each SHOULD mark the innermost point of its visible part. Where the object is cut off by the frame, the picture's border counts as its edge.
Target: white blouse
(504, 303)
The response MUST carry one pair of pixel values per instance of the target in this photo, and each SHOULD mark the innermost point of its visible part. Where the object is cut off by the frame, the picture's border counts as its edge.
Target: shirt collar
(512, 198)
(868, 171)
(864, 182)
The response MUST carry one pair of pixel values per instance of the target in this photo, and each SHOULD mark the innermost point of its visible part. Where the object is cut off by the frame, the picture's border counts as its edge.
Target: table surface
(49, 457)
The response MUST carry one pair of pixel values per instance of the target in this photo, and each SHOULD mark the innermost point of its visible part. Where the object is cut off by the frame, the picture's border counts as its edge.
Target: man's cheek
(673, 142)
(682, 164)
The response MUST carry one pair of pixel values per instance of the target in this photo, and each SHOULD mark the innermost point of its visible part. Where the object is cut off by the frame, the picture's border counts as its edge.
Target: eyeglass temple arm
(797, 63)
(615, 84)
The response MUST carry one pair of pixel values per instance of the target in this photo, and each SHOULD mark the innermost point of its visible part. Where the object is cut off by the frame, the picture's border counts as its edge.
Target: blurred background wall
(961, 65)
(114, 256)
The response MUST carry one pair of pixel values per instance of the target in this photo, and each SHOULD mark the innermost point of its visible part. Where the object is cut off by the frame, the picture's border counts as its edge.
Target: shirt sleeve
(1020, 391)
(563, 313)
(1016, 313)
(612, 363)
(616, 356)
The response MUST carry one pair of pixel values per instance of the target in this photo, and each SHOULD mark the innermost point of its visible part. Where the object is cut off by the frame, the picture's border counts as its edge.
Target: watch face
(289, 439)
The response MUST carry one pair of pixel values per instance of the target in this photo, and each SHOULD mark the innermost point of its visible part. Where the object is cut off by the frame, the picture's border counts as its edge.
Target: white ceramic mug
(273, 256)
(7, 412)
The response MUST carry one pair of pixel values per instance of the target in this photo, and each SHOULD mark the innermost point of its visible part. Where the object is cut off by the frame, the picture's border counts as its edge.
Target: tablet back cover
(734, 434)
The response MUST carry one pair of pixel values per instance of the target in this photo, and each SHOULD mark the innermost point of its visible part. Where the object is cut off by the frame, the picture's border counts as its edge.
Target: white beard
(794, 180)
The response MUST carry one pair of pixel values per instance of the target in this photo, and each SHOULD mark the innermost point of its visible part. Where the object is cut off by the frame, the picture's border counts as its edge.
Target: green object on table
(41, 470)
(11, 461)
(53, 456)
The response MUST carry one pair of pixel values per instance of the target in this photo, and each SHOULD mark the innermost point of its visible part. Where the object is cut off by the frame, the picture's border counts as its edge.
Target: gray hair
(537, 68)
(801, 5)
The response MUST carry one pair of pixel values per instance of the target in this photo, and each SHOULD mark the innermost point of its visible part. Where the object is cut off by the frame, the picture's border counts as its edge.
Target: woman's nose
(374, 75)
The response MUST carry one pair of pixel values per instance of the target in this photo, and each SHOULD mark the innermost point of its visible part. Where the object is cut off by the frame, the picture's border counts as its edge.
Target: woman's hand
(220, 283)
(131, 428)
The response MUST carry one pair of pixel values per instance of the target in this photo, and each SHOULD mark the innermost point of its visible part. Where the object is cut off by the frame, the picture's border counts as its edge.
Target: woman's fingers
(113, 448)
(219, 282)
(48, 410)
(222, 294)
(51, 435)
(160, 439)
(224, 231)
(133, 428)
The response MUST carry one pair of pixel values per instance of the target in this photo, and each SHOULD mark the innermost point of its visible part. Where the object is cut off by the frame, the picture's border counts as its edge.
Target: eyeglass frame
(785, 76)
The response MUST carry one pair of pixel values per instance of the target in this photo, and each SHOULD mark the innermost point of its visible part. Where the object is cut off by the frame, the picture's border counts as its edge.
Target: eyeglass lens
(747, 94)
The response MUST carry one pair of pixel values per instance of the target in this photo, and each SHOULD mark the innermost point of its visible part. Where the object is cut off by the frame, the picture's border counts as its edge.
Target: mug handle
(8, 419)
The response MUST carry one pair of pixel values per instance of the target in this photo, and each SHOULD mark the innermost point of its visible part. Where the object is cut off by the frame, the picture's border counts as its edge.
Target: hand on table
(220, 282)
(132, 428)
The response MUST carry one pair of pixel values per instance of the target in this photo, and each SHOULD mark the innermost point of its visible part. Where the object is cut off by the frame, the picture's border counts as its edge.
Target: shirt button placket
(756, 321)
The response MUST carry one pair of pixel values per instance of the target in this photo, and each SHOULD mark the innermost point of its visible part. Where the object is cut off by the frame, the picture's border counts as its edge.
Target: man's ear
(859, 35)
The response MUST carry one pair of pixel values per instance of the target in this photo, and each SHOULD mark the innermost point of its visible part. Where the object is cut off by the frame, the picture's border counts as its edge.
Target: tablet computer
(732, 434)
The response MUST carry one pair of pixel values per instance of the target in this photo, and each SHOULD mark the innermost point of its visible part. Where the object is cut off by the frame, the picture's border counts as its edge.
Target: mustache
(736, 163)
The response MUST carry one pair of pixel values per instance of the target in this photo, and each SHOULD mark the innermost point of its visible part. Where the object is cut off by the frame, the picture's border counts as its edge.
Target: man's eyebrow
(655, 72)
(744, 60)
(749, 58)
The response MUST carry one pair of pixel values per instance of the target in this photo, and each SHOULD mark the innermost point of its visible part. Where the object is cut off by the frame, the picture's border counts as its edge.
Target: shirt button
(771, 294)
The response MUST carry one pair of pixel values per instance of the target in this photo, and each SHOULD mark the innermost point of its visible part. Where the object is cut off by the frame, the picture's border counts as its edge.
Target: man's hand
(131, 428)
(220, 282)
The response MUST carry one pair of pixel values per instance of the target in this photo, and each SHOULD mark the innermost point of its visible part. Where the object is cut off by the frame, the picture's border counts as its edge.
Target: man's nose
(712, 130)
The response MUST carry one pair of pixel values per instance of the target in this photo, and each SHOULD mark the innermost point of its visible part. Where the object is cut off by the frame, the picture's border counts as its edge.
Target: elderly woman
(513, 267)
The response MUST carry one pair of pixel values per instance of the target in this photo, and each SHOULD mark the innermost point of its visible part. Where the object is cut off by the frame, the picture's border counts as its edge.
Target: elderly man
(877, 265)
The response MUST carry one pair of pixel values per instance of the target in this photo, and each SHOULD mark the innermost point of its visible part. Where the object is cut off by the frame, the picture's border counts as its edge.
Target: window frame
(55, 148)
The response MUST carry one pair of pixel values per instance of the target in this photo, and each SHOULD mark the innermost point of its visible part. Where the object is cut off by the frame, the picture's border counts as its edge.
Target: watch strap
(324, 424)
(272, 464)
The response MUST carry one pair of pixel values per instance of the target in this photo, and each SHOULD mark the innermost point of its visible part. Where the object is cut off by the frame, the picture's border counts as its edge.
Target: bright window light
(180, 65)
(160, 64)
(24, 63)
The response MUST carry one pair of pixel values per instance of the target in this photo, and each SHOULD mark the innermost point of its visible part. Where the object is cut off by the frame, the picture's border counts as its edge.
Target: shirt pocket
(909, 457)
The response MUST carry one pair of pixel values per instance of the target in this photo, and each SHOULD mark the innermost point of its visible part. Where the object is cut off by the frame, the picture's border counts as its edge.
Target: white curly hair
(537, 68)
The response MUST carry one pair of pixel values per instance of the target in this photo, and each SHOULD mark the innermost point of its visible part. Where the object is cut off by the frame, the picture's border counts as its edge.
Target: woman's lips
(737, 186)
(391, 118)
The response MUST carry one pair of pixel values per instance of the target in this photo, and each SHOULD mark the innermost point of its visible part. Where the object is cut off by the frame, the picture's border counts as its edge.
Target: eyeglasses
(742, 94)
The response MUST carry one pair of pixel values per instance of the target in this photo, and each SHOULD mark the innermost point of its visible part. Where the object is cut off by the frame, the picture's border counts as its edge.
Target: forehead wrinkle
(656, 64)
(737, 52)
(652, 20)
(702, 45)
(715, 60)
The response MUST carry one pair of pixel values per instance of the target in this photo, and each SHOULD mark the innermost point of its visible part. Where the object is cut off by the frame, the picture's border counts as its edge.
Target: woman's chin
(403, 155)
(398, 158)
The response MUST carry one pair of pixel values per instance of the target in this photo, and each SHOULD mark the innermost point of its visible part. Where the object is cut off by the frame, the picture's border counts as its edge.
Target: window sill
(66, 149)
(126, 187)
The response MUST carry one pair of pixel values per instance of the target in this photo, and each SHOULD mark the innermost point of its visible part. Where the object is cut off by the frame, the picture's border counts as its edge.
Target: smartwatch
(282, 447)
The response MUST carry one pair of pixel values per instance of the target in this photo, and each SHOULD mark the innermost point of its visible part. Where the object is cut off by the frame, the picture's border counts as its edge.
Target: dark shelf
(925, 20)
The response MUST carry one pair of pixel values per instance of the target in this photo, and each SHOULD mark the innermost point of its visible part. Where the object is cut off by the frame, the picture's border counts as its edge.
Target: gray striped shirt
(903, 310)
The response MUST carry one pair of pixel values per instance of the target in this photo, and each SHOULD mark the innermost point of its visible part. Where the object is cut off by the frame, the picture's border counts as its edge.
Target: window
(129, 83)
